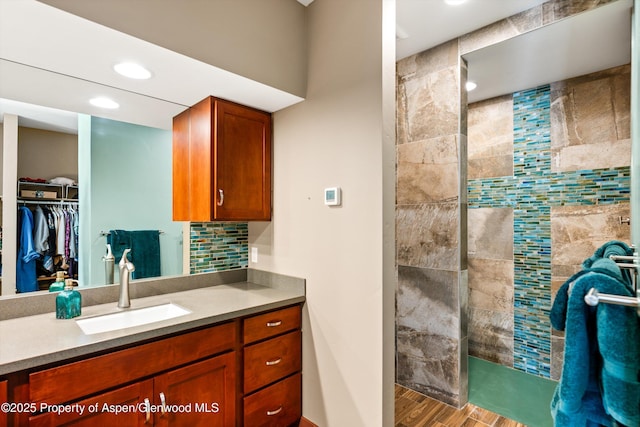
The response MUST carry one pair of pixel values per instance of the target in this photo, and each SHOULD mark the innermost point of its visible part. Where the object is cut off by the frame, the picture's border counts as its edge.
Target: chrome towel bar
(593, 298)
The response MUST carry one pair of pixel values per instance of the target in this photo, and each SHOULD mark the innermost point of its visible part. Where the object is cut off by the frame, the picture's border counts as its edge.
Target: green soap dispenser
(58, 285)
(68, 302)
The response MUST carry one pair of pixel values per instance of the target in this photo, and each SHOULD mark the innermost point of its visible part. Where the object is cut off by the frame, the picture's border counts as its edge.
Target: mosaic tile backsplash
(532, 192)
(219, 246)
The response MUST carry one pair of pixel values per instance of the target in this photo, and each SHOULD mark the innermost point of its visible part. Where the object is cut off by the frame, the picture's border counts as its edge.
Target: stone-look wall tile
(432, 292)
(491, 284)
(557, 357)
(427, 171)
(590, 121)
(491, 130)
(427, 314)
(501, 30)
(430, 61)
(431, 110)
(490, 233)
(528, 20)
(463, 303)
(621, 83)
(491, 335)
(402, 124)
(577, 231)
(431, 377)
(427, 235)
(559, 9)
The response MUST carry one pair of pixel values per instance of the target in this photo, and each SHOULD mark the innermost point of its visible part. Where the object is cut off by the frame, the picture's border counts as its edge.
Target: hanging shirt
(26, 280)
(40, 231)
(60, 232)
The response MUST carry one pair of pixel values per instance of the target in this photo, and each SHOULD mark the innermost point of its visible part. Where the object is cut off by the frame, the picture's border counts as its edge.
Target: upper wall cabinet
(221, 163)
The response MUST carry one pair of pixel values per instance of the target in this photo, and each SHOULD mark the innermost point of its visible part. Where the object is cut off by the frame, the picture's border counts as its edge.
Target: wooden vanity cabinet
(169, 376)
(4, 398)
(221, 163)
(245, 372)
(272, 382)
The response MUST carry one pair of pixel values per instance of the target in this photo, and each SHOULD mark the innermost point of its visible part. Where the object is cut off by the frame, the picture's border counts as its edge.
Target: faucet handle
(124, 259)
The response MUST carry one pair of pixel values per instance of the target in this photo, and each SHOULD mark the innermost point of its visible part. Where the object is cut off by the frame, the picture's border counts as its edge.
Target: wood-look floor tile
(481, 414)
(505, 422)
(417, 410)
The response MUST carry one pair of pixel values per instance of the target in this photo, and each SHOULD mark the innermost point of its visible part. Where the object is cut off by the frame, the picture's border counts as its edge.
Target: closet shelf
(46, 193)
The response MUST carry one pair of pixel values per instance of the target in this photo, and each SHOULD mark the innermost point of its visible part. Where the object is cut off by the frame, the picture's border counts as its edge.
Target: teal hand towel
(145, 250)
(146, 253)
(119, 241)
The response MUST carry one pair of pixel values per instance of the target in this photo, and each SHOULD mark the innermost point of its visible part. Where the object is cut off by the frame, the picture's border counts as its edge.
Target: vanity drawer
(276, 405)
(271, 324)
(83, 378)
(268, 361)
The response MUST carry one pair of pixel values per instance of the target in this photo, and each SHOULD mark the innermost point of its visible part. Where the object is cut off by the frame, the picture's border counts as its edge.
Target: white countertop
(32, 341)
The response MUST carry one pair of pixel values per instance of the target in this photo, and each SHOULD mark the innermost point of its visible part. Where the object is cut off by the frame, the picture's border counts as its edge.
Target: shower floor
(510, 393)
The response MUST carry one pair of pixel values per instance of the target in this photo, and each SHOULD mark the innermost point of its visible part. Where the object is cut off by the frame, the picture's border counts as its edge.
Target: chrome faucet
(126, 267)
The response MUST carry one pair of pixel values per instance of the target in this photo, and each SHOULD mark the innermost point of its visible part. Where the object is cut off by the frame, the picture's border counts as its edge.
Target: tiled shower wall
(218, 246)
(548, 182)
(431, 218)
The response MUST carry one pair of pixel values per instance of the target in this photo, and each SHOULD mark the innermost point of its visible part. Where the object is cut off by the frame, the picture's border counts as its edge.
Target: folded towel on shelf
(599, 382)
(145, 250)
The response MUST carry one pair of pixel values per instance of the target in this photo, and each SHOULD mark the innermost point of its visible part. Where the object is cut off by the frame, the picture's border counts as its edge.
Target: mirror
(124, 171)
(52, 58)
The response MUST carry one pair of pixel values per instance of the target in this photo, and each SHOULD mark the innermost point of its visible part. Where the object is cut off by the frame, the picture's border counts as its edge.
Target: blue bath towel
(599, 382)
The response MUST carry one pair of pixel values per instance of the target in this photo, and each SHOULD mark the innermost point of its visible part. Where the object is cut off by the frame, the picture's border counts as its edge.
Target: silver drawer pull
(221, 200)
(147, 406)
(273, 362)
(276, 412)
(163, 404)
(274, 323)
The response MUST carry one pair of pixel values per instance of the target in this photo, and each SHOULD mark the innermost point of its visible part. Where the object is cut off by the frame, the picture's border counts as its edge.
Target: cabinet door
(181, 169)
(4, 396)
(243, 163)
(124, 407)
(200, 394)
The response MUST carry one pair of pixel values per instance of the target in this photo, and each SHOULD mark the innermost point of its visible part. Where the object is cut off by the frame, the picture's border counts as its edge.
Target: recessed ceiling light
(103, 102)
(470, 86)
(133, 71)
(455, 2)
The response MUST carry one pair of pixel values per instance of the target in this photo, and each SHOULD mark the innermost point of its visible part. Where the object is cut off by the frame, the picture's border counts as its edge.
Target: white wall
(341, 135)
(9, 199)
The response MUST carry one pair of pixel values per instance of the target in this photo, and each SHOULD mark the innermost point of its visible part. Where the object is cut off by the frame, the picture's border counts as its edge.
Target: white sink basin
(130, 318)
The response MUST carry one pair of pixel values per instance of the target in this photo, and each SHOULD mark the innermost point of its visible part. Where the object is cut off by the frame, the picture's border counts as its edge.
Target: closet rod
(50, 202)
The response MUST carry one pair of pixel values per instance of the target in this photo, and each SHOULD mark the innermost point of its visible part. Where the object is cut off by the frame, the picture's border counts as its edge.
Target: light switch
(254, 254)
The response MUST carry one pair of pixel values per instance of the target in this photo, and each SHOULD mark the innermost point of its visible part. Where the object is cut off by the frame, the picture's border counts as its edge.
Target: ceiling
(31, 34)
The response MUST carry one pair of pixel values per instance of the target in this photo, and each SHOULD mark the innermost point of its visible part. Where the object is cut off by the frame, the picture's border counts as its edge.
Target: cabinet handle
(163, 404)
(276, 412)
(274, 323)
(147, 405)
(221, 200)
(273, 362)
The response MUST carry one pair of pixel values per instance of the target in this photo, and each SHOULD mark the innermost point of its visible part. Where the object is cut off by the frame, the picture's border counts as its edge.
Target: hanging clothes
(26, 280)
(53, 231)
